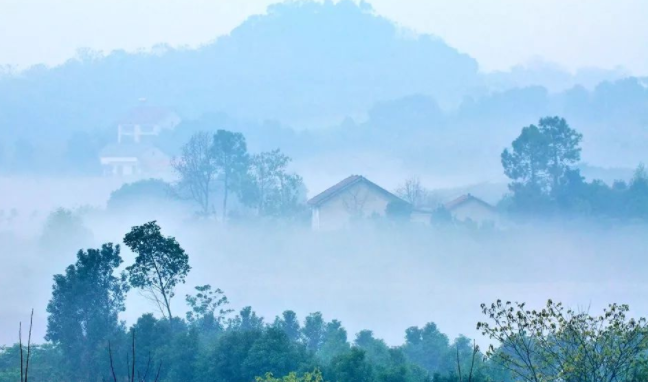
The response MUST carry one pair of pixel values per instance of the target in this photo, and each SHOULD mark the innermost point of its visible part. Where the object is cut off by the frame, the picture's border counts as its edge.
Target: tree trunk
(225, 191)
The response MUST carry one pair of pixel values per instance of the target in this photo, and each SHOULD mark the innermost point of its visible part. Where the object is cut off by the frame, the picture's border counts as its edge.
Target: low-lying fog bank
(382, 277)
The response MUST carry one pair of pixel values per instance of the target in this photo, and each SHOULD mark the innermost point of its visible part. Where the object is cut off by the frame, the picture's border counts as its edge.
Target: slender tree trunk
(225, 191)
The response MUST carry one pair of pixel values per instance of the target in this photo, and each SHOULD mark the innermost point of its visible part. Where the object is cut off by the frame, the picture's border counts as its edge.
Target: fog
(309, 94)
(380, 277)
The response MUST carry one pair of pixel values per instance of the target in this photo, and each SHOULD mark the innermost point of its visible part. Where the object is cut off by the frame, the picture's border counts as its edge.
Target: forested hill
(303, 63)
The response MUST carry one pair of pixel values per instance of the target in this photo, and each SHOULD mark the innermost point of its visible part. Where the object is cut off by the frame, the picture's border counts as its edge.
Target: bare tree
(24, 363)
(413, 192)
(197, 169)
(130, 366)
(354, 202)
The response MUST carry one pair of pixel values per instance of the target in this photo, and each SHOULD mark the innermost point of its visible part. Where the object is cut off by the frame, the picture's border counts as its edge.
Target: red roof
(345, 184)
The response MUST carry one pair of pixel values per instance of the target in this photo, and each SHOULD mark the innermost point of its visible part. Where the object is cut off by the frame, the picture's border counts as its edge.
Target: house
(144, 122)
(134, 154)
(353, 198)
(468, 208)
(132, 159)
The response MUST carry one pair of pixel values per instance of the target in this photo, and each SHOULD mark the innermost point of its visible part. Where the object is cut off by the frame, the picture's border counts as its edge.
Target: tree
(351, 367)
(197, 169)
(230, 157)
(540, 158)
(637, 194)
(563, 147)
(413, 192)
(84, 308)
(334, 342)
(207, 306)
(64, 230)
(558, 344)
(313, 331)
(269, 187)
(526, 164)
(159, 266)
(289, 323)
(146, 193)
(429, 348)
(315, 376)
(246, 320)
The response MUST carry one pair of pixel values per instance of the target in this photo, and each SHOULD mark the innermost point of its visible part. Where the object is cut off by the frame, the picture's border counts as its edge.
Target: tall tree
(313, 331)
(269, 187)
(159, 266)
(540, 159)
(197, 169)
(563, 147)
(229, 152)
(83, 311)
(289, 323)
(334, 342)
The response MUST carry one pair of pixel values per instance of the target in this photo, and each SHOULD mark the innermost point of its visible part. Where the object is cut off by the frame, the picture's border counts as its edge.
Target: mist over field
(319, 157)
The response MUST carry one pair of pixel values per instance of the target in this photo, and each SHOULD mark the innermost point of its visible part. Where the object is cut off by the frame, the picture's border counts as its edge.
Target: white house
(353, 198)
(468, 208)
(144, 122)
(131, 159)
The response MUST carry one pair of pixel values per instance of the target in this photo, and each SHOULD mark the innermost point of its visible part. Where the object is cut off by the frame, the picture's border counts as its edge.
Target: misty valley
(321, 195)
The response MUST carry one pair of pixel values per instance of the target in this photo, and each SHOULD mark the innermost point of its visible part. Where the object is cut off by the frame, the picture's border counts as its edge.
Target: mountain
(304, 63)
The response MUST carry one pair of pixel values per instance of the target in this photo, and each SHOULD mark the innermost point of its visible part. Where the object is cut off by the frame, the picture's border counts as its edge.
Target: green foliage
(558, 344)
(351, 367)
(44, 364)
(83, 310)
(230, 157)
(242, 355)
(64, 230)
(159, 266)
(315, 376)
(270, 188)
(289, 323)
(539, 160)
(313, 331)
(197, 170)
(428, 348)
(207, 306)
(143, 194)
(334, 342)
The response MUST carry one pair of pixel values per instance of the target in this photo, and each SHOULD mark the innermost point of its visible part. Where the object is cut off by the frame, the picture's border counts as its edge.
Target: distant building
(468, 208)
(131, 159)
(144, 122)
(353, 198)
(134, 152)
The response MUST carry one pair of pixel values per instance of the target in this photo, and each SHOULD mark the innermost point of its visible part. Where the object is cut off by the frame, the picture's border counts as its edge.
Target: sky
(498, 33)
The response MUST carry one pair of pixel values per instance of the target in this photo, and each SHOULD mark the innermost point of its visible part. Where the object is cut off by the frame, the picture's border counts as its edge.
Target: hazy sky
(499, 33)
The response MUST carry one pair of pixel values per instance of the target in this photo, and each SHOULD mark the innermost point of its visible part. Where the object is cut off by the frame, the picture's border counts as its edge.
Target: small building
(351, 199)
(143, 123)
(468, 208)
(131, 159)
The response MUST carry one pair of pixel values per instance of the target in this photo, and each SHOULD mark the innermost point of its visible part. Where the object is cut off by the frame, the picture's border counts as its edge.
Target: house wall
(475, 211)
(357, 202)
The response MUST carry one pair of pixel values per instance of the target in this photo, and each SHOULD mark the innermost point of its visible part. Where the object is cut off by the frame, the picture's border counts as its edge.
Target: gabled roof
(146, 115)
(345, 184)
(463, 199)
